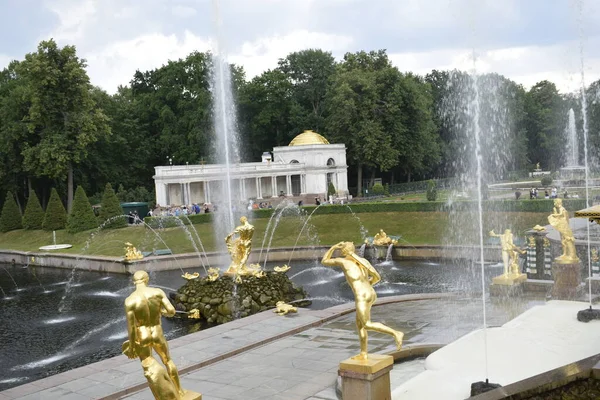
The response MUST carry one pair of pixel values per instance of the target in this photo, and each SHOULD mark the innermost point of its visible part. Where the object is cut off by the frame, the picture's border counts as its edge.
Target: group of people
(553, 194)
(176, 211)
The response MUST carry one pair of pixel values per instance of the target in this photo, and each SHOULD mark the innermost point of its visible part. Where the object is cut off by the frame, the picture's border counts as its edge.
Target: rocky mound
(221, 301)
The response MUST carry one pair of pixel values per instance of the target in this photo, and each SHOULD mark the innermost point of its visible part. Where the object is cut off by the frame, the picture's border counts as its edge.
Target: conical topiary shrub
(34, 214)
(111, 207)
(10, 218)
(82, 215)
(56, 215)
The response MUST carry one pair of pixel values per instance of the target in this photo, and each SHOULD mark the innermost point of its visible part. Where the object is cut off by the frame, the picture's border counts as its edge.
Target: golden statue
(509, 250)
(531, 241)
(189, 277)
(131, 253)
(282, 269)
(193, 314)
(559, 219)
(283, 308)
(382, 239)
(537, 167)
(143, 309)
(361, 276)
(239, 249)
(213, 274)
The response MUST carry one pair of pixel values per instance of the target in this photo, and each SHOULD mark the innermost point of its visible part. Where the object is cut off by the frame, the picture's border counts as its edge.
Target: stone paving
(268, 357)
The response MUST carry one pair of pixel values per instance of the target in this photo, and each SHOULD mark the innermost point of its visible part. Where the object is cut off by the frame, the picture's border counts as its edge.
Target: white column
(274, 186)
(182, 191)
(207, 193)
(242, 194)
(302, 184)
(288, 185)
(258, 189)
(167, 196)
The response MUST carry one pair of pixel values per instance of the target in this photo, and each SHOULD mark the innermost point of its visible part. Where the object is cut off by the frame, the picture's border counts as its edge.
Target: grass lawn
(414, 227)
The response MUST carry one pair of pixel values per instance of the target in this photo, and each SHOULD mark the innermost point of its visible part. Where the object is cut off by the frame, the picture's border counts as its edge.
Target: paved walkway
(268, 357)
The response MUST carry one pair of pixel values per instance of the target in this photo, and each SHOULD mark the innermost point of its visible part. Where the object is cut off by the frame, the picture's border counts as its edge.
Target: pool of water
(53, 320)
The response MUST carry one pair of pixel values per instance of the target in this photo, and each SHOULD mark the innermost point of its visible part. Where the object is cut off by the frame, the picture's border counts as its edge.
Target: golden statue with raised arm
(144, 308)
(508, 249)
(559, 219)
(239, 248)
(361, 276)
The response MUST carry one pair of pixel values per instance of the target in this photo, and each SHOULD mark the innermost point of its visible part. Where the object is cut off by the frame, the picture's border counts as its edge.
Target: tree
(62, 112)
(111, 208)
(363, 111)
(431, 190)
(56, 215)
(545, 124)
(34, 214)
(309, 71)
(10, 218)
(82, 217)
(331, 190)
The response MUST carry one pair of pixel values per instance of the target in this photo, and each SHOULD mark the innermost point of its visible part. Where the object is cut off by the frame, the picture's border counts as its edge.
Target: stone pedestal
(366, 379)
(567, 281)
(507, 285)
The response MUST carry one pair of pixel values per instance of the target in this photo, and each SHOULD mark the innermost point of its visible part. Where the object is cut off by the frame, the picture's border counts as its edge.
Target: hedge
(82, 217)
(542, 206)
(56, 215)
(110, 207)
(10, 218)
(34, 214)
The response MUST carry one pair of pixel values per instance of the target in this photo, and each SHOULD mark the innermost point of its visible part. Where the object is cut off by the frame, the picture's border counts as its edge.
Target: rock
(482, 387)
(264, 298)
(205, 300)
(182, 298)
(214, 302)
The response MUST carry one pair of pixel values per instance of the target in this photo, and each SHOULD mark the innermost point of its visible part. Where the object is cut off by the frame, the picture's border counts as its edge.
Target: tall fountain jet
(573, 153)
(226, 195)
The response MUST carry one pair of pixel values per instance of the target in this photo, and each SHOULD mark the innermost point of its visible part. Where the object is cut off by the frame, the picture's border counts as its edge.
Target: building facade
(303, 168)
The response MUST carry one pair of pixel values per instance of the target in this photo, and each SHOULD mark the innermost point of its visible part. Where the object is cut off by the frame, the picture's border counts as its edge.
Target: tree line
(58, 131)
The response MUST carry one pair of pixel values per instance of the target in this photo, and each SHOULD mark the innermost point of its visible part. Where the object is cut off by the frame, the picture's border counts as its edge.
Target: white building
(303, 168)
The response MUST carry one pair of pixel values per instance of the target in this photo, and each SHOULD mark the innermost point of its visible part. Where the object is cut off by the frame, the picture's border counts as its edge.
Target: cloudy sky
(525, 40)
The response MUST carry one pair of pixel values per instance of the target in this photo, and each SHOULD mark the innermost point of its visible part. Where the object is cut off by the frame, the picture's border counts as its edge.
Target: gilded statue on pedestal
(510, 252)
(382, 239)
(559, 219)
(361, 276)
(143, 309)
(239, 248)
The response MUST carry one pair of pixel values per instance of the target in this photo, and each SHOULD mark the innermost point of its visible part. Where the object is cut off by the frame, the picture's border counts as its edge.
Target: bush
(10, 218)
(377, 189)
(546, 181)
(110, 207)
(34, 214)
(172, 221)
(431, 190)
(82, 217)
(56, 215)
(331, 190)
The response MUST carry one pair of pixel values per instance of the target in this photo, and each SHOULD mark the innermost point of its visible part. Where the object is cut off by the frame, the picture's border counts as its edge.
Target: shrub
(378, 189)
(34, 214)
(110, 207)
(386, 189)
(546, 180)
(331, 190)
(56, 215)
(431, 190)
(82, 216)
(10, 218)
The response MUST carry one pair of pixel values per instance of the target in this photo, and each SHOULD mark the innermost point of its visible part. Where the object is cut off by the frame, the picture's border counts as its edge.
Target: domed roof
(308, 137)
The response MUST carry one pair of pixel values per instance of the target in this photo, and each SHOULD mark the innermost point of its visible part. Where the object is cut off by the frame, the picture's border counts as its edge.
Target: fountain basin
(56, 246)
(541, 339)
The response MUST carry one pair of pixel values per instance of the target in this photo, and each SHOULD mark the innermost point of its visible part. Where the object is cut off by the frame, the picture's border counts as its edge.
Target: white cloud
(559, 63)
(74, 18)
(115, 64)
(183, 11)
(262, 54)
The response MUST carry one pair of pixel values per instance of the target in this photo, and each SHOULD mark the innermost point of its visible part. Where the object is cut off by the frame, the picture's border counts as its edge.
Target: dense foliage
(34, 214)
(59, 131)
(56, 215)
(10, 218)
(111, 208)
(81, 217)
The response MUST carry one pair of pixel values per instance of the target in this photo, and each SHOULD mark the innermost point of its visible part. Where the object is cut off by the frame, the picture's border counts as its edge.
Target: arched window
(294, 162)
(331, 162)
